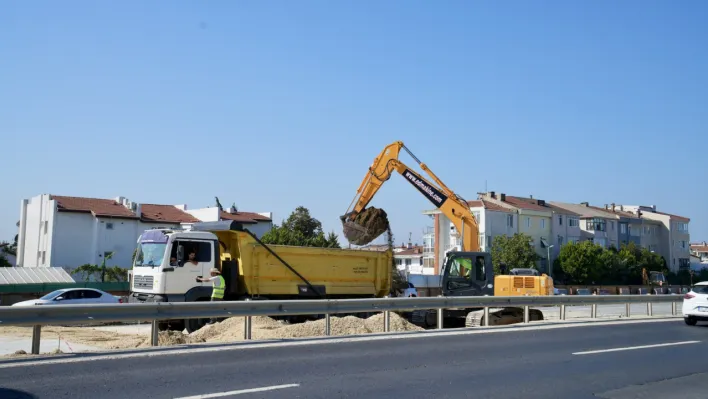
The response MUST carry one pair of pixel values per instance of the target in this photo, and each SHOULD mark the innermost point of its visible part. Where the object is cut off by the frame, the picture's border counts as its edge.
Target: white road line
(87, 357)
(239, 392)
(629, 348)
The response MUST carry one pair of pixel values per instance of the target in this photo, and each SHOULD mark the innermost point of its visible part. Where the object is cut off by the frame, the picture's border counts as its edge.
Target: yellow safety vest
(218, 292)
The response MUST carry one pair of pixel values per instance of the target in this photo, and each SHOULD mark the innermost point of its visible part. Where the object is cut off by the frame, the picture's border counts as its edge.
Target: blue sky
(272, 105)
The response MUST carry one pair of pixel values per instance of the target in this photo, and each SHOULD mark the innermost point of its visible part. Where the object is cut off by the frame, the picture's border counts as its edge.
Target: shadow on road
(15, 394)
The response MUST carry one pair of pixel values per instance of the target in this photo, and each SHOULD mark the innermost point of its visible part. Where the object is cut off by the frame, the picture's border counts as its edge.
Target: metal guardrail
(37, 316)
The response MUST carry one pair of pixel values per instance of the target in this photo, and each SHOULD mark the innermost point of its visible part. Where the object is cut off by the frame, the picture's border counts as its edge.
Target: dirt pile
(166, 338)
(265, 328)
(366, 226)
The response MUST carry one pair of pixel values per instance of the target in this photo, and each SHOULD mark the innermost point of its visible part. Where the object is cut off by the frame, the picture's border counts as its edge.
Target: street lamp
(550, 265)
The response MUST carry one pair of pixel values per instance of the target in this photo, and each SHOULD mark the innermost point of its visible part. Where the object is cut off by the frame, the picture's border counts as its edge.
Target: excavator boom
(362, 225)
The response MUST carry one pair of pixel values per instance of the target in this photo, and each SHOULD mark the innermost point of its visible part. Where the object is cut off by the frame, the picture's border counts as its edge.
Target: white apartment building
(675, 242)
(409, 260)
(565, 228)
(63, 231)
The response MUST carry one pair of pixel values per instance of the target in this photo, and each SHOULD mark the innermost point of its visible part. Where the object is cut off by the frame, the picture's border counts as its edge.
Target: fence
(37, 316)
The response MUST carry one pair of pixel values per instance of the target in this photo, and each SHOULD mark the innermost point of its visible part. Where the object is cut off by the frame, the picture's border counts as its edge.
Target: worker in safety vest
(219, 286)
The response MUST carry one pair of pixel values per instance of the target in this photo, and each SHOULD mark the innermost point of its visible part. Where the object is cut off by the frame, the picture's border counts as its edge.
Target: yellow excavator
(467, 271)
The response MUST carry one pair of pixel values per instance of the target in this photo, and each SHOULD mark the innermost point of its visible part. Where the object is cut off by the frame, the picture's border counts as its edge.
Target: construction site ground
(16, 341)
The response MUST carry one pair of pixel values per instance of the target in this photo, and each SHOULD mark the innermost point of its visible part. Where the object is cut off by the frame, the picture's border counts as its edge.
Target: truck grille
(142, 282)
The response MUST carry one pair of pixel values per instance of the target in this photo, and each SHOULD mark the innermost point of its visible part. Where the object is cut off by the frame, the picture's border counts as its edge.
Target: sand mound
(266, 328)
(229, 330)
(167, 338)
(80, 335)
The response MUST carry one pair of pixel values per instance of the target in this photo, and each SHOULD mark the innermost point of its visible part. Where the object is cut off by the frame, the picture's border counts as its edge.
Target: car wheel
(691, 321)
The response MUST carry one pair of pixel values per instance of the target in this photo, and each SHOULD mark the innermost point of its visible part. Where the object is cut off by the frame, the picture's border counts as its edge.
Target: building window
(560, 241)
(623, 228)
(560, 220)
(682, 227)
(543, 223)
(612, 226)
(684, 263)
(528, 222)
(109, 226)
(595, 224)
(573, 222)
(408, 262)
(510, 221)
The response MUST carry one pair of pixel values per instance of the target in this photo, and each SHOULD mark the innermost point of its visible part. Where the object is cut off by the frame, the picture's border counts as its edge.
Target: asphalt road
(532, 363)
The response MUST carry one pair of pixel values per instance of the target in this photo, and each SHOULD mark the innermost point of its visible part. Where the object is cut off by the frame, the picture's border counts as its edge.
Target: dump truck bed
(336, 273)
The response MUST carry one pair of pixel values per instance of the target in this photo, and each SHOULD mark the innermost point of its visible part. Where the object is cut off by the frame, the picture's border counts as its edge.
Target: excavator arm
(385, 164)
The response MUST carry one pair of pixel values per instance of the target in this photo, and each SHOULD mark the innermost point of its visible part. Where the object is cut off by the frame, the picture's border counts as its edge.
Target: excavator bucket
(365, 226)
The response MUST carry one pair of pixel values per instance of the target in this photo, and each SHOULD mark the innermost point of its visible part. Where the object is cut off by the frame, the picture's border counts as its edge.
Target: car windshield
(52, 295)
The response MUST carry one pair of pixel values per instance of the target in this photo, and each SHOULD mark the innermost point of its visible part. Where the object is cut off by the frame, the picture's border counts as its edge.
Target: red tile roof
(149, 212)
(95, 206)
(487, 205)
(408, 252)
(244, 217)
(165, 213)
(699, 247)
(525, 203)
(559, 209)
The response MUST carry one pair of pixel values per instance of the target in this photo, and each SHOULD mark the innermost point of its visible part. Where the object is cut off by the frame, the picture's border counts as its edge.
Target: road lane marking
(240, 391)
(629, 348)
(213, 347)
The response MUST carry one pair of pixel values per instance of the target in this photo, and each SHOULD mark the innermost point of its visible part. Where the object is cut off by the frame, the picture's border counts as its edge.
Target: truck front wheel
(195, 324)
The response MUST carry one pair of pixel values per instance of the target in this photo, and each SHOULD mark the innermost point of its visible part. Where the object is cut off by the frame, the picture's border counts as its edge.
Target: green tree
(515, 251)
(7, 249)
(301, 229)
(581, 262)
(87, 271)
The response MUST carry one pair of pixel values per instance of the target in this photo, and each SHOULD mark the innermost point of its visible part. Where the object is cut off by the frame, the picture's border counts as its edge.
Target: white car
(73, 296)
(695, 304)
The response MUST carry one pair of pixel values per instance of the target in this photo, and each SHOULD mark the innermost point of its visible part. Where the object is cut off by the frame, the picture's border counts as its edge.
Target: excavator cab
(468, 274)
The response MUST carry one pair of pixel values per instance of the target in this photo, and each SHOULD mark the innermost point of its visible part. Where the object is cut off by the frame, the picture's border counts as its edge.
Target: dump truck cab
(167, 263)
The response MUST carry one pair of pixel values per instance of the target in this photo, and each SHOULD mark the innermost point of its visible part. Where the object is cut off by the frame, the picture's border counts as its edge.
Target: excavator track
(501, 317)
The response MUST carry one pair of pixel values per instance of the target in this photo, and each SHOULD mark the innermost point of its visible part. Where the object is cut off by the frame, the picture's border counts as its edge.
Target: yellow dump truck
(168, 262)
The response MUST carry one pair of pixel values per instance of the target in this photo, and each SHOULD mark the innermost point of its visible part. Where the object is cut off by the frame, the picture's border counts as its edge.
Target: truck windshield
(150, 254)
(151, 249)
